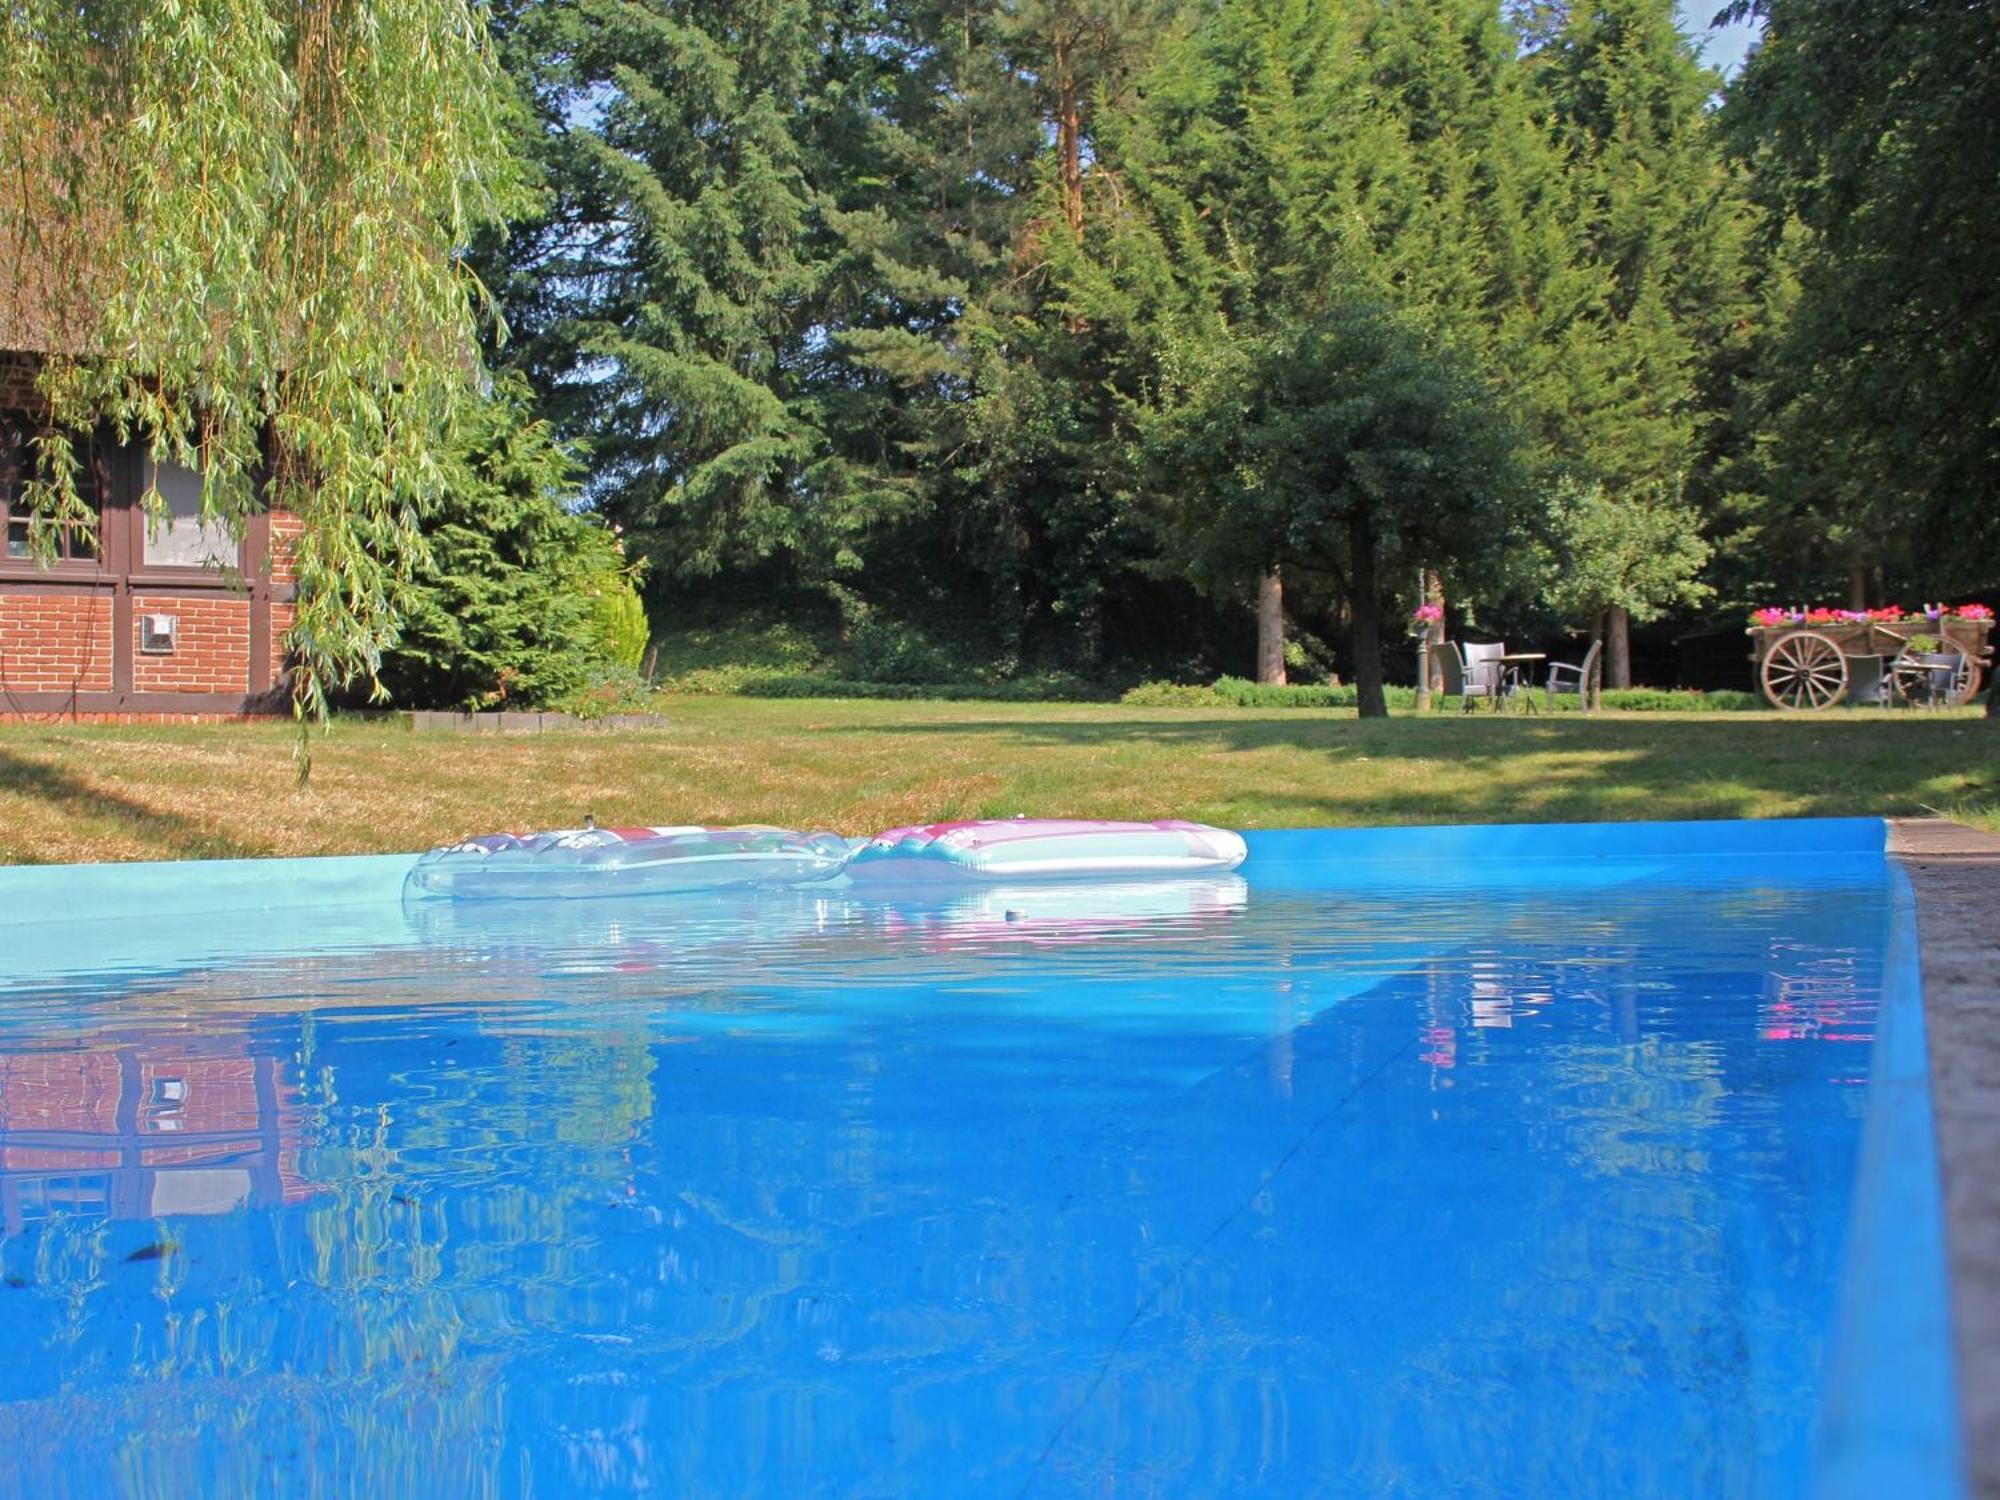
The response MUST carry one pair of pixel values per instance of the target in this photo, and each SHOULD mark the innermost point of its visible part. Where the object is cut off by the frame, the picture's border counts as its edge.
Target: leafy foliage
(1643, 555)
(517, 601)
(1872, 128)
(977, 340)
(1349, 446)
(1235, 692)
(244, 221)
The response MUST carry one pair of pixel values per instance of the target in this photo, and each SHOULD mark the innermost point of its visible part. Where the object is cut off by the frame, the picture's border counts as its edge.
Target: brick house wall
(211, 649)
(54, 643)
(74, 638)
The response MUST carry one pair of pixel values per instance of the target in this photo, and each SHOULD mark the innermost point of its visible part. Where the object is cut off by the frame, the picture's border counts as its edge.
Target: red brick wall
(55, 643)
(285, 529)
(211, 645)
(282, 615)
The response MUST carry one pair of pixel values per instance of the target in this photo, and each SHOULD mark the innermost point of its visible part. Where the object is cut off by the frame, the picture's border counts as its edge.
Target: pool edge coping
(1954, 872)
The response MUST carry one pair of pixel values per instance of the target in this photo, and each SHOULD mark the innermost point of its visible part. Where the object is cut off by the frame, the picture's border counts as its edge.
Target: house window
(181, 538)
(72, 540)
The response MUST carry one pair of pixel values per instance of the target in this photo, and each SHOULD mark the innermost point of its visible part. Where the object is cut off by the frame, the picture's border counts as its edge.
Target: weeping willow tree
(235, 228)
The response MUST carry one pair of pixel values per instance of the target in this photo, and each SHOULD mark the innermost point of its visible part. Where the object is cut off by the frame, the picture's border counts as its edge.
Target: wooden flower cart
(1812, 664)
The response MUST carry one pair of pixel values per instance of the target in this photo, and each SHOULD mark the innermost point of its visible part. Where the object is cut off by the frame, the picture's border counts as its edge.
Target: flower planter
(1812, 662)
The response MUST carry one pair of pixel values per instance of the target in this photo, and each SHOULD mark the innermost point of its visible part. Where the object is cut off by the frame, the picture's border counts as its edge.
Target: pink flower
(1973, 612)
(1771, 616)
(1426, 613)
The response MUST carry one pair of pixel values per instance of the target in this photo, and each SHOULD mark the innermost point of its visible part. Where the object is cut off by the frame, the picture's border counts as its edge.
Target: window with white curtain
(180, 538)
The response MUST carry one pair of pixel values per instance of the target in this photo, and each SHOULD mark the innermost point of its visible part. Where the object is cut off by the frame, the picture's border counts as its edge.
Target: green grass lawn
(106, 792)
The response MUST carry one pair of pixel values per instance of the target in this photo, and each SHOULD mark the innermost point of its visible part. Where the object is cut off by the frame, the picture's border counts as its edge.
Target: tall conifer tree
(1662, 227)
(1278, 198)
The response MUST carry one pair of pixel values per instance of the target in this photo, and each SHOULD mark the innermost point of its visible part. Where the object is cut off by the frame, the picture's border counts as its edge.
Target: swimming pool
(1513, 1162)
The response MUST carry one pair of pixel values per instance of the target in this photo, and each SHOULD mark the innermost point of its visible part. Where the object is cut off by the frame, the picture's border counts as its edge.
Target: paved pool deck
(1956, 873)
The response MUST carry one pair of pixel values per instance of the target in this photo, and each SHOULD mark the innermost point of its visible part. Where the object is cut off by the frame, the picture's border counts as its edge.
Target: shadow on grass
(168, 835)
(1574, 768)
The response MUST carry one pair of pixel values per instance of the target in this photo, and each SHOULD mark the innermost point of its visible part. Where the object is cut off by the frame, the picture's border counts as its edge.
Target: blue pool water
(1428, 1165)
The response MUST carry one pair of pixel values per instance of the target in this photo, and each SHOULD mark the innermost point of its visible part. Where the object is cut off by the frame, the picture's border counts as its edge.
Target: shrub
(618, 615)
(610, 689)
(1680, 700)
(889, 651)
(1235, 692)
(754, 682)
(520, 600)
(1170, 695)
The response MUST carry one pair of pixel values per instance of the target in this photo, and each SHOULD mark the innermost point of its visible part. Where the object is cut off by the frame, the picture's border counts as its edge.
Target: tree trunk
(1617, 648)
(1367, 603)
(1431, 644)
(1069, 132)
(1857, 586)
(1271, 628)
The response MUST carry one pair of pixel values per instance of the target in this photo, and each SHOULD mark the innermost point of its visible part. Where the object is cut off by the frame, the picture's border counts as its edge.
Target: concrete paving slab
(1956, 873)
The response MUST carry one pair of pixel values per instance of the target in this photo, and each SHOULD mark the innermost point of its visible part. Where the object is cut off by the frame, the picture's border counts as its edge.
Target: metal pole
(1423, 653)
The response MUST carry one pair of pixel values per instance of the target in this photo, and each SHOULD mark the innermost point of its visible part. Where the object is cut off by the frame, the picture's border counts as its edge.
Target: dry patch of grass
(88, 792)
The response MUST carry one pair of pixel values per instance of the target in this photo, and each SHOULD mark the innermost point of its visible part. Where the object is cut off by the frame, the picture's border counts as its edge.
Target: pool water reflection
(1533, 1188)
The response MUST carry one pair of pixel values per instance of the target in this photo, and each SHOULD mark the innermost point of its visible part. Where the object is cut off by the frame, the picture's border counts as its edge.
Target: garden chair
(1469, 680)
(1585, 675)
(1483, 665)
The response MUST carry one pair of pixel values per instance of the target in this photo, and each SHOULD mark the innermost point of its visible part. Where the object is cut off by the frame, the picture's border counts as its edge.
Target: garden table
(1520, 692)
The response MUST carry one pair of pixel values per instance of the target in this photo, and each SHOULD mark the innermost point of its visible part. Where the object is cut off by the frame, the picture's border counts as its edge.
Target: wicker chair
(1476, 679)
(1585, 676)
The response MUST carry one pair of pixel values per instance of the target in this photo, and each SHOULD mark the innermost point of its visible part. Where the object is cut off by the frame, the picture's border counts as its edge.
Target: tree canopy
(1071, 326)
(1871, 129)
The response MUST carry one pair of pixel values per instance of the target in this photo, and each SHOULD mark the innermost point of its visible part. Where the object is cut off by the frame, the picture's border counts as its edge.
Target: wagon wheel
(1804, 670)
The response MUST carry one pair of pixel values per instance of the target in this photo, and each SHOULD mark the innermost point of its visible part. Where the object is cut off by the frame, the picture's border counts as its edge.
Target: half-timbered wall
(74, 633)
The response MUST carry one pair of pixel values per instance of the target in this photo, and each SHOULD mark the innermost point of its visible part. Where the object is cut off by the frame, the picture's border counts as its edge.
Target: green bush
(520, 601)
(792, 636)
(610, 689)
(1679, 700)
(890, 651)
(754, 682)
(619, 616)
(1170, 695)
(1235, 692)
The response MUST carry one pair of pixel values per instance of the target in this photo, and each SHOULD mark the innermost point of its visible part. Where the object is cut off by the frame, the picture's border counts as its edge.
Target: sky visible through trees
(1722, 47)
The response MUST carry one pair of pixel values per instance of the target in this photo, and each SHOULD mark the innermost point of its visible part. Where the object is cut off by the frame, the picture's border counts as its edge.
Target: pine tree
(728, 296)
(1279, 200)
(1028, 469)
(1477, 230)
(1662, 224)
(511, 601)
